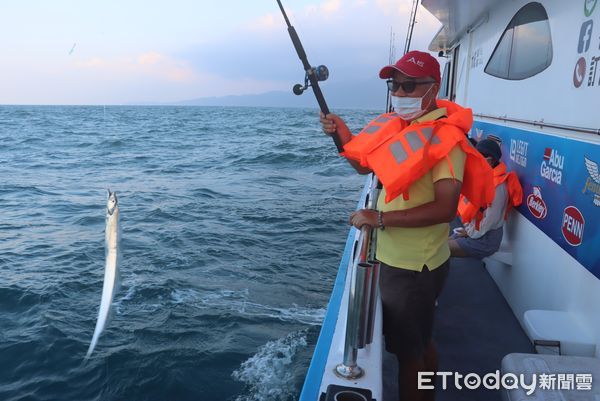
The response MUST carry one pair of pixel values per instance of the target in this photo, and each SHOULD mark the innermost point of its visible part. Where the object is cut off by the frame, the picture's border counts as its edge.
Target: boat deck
(474, 329)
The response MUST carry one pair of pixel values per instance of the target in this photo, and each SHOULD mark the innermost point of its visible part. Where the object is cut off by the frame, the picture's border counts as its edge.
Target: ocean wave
(234, 246)
(267, 374)
(238, 303)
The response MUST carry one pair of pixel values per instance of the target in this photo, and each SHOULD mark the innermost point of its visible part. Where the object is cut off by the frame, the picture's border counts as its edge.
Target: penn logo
(573, 224)
(536, 205)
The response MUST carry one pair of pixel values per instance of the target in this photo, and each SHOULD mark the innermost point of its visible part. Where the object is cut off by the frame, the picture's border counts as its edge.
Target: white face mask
(409, 108)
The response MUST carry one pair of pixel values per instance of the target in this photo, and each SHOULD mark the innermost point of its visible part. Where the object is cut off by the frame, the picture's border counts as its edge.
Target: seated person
(482, 232)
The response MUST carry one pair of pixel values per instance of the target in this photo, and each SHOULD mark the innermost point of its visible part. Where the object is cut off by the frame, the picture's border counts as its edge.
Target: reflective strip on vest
(414, 140)
(371, 129)
(398, 152)
(384, 119)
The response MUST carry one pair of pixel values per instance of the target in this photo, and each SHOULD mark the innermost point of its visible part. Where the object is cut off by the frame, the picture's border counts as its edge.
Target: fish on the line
(111, 272)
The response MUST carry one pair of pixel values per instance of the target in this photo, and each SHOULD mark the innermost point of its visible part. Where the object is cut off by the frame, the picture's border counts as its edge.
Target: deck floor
(474, 329)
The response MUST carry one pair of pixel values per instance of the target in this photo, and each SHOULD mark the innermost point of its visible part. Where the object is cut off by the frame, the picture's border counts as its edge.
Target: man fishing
(421, 155)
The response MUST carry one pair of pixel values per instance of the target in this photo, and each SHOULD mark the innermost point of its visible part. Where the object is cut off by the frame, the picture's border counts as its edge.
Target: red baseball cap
(415, 64)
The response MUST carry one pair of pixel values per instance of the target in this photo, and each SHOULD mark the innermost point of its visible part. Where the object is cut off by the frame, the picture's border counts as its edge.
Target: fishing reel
(321, 72)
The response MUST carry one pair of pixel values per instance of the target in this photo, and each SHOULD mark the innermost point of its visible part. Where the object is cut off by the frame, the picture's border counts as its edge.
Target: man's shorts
(408, 299)
(482, 247)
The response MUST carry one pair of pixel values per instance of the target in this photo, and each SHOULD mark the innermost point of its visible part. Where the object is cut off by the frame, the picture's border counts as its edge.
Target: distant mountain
(366, 94)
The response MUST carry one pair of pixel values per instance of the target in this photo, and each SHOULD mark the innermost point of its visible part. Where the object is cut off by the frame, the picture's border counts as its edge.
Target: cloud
(326, 10)
(266, 23)
(274, 21)
(151, 64)
(250, 52)
(394, 8)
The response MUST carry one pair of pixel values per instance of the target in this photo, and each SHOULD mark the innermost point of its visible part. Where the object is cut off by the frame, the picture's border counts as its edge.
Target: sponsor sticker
(552, 166)
(573, 224)
(536, 205)
(518, 152)
(592, 182)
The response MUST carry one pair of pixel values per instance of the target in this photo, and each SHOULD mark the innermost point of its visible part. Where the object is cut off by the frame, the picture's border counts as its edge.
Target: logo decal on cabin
(592, 73)
(579, 72)
(585, 36)
(592, 183)
(477, 58)
(536, 204)
(573, 224)
(518, 152)
(588, 7)
(552, 165)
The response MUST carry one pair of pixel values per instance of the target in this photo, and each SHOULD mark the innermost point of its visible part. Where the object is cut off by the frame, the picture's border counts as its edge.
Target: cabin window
(525, 47)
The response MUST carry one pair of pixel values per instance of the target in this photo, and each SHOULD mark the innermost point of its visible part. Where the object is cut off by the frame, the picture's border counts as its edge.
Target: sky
(134, 51)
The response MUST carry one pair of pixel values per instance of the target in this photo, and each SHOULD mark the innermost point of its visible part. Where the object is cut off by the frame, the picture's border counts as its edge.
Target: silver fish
(111, 271)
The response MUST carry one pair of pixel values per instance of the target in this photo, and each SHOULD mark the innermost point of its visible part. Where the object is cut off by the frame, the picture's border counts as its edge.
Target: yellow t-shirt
(412, 248)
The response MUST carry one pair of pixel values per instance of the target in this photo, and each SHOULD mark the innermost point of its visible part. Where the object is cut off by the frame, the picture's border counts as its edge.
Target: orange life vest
(399, 153)
(467, 211)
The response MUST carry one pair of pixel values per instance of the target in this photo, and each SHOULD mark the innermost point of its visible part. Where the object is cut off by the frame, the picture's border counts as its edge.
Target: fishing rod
(312, 77)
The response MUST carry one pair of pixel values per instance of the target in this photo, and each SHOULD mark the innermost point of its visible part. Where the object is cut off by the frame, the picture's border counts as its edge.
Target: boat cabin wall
(553, 239)
(550, 95)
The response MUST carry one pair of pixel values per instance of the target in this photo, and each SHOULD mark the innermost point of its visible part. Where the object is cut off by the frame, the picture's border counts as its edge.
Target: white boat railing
(363, 295)
(352, 326)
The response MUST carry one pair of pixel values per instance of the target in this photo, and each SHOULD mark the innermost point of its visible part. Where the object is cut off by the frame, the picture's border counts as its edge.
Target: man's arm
(441, 210)
(333, 123)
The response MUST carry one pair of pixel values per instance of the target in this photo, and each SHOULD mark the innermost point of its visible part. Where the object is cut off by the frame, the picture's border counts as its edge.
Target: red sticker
(537, 206)
(572, 225)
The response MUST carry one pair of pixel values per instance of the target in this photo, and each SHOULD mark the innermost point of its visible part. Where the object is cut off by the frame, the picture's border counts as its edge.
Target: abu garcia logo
(552, 165)
(592, 183)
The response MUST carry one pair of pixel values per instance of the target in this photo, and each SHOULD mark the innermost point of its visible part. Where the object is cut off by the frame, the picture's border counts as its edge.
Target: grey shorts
(482, 247)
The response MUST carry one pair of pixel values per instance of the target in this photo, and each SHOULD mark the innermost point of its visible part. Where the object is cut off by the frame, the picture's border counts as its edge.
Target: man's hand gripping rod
(313, 75)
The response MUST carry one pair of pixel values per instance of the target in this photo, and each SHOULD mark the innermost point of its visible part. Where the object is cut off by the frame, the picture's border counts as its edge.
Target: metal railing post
(362, 297)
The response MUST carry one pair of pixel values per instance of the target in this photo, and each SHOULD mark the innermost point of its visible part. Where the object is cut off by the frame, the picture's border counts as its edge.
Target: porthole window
(525, 47)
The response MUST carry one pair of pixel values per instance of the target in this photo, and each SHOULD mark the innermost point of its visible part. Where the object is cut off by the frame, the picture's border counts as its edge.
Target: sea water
(233, 224)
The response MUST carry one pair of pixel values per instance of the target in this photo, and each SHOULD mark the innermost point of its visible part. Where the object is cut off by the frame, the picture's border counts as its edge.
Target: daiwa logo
(592, 183)
(573, 224)
(552, 165)
(536, 204)
(518, 152)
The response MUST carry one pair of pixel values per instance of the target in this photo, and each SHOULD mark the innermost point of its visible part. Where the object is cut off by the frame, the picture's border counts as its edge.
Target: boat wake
(268, 374)
(238, 302)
